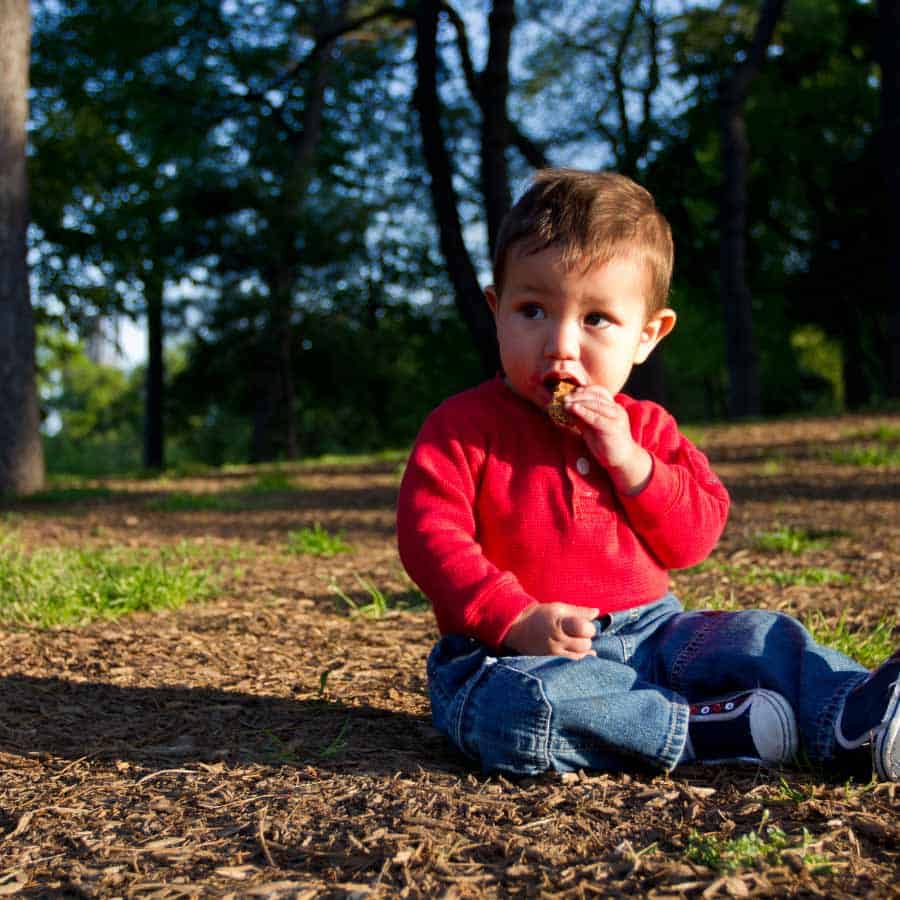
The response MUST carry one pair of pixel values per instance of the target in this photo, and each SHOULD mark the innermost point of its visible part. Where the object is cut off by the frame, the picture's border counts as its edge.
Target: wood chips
(269, 744)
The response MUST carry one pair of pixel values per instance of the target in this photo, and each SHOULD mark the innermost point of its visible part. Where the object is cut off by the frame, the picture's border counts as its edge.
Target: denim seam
(676, 736)
(827, 719)
(548, 708)
(687, 654)
(470, 686)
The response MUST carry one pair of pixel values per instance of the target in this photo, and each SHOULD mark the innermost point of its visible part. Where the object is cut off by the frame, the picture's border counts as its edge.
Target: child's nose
(562, 341)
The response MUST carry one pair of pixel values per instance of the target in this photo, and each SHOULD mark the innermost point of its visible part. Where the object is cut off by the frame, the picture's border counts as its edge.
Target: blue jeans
(629, 705)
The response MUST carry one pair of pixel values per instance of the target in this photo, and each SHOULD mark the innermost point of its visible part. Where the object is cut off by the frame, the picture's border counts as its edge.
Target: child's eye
(596, 320)
(531, 311)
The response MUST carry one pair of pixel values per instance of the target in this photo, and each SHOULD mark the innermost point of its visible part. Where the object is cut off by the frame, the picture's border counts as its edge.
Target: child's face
(570, 324)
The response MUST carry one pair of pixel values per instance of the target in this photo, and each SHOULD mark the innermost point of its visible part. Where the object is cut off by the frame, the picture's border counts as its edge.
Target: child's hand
(553, 629)
(606, 430)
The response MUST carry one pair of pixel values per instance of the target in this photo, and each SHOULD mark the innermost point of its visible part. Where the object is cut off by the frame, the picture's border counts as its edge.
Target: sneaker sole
(886, 746)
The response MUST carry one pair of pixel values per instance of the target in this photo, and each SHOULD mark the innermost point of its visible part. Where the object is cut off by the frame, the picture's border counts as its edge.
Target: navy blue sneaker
(755, 726)
(871, 718)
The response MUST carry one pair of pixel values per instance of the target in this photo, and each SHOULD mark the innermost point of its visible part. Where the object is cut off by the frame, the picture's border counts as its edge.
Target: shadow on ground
(175, 725)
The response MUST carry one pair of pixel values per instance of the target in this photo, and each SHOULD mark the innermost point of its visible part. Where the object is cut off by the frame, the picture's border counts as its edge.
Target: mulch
(270, 744)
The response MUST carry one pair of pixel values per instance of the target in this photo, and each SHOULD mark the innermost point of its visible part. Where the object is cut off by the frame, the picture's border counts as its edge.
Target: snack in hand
(557, 411)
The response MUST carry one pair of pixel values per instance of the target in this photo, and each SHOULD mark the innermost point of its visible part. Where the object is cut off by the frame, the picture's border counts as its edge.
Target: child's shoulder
(473, 404)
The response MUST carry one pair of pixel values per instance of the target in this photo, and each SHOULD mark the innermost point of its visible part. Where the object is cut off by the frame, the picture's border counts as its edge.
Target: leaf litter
(269, 743)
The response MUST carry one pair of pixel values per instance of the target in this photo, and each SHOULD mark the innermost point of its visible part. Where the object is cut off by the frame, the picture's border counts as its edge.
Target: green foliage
(316, 541)
(164, 158)
(49, 587)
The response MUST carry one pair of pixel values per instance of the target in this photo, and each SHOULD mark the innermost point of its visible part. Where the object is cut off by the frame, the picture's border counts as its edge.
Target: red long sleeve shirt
(500, 508)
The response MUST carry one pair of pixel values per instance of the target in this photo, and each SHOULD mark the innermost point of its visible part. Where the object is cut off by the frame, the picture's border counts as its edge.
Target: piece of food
(557, 411)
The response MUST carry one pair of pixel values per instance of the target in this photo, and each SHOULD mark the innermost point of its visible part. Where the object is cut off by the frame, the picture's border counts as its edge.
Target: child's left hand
(606, 430)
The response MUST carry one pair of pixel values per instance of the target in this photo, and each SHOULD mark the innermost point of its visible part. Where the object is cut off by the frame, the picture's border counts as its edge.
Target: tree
(467, 289)
(888, 53)
(21, 453)
(737, 302)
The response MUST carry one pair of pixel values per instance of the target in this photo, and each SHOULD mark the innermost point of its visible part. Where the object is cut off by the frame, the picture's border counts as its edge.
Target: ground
(273, 741)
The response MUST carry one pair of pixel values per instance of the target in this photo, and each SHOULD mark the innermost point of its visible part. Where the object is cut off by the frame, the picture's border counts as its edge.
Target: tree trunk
(741, 353)
(467, 291)
(154, 428)
(889, 57)
(276, 393)
(21, 452)
(494, 90)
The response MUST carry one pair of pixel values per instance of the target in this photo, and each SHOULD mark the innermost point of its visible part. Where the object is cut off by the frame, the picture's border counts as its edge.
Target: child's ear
(493, 301)
(654, 330)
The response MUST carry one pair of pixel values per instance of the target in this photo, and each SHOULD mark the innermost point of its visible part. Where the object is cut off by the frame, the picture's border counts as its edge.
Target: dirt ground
(268, 743)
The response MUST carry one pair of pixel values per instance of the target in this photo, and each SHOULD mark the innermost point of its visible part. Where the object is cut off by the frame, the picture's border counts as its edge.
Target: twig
(153, 775)
(262, 837)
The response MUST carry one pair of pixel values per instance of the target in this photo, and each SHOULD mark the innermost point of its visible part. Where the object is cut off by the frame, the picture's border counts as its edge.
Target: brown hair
(592, 217)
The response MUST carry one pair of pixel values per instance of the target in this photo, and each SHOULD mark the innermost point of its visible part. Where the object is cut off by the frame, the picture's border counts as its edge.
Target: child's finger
(578, 627)
(576, 649)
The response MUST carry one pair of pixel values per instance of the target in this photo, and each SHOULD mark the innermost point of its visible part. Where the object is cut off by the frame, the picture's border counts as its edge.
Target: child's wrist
(633, 475)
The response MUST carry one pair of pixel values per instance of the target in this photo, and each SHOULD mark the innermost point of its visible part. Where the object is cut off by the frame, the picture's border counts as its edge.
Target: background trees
(300, 198)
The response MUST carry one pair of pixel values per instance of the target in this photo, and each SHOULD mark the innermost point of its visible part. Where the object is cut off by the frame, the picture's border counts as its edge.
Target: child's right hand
(553, 629)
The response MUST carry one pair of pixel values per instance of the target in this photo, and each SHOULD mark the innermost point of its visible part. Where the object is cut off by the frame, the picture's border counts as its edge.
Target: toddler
(544, 544)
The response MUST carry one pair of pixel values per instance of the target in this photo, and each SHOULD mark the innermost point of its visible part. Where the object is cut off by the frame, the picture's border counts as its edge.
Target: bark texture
(21, 452)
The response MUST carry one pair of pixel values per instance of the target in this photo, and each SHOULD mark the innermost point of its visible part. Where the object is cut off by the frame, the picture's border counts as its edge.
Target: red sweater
(499, 507)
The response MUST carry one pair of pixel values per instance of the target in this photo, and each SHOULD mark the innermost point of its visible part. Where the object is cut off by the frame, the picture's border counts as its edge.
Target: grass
(317, 541)
(806, 577)
(866, 456)
(766, 846)
(788, 539)
(869, 646)
(884, 434)
(379, 603)
(51, 587)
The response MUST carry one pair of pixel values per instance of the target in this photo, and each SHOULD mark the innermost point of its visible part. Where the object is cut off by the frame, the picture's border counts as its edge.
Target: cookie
(557, 411)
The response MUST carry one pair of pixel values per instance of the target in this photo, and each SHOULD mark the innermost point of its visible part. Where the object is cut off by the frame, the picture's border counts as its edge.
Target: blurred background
(260, 230)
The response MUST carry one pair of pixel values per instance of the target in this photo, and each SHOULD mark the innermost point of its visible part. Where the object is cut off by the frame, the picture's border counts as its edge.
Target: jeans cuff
(827, 720)
(672, 750)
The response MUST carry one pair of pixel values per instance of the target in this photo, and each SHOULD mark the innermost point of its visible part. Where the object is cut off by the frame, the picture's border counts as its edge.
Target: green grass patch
(882, 434)
(70, 494)
(871, 646)
(370, 601)
(276, 482)
(806, 577)
(317, 541)
(787, 539)
(75, 586)
(755, 850)
(865, 456)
